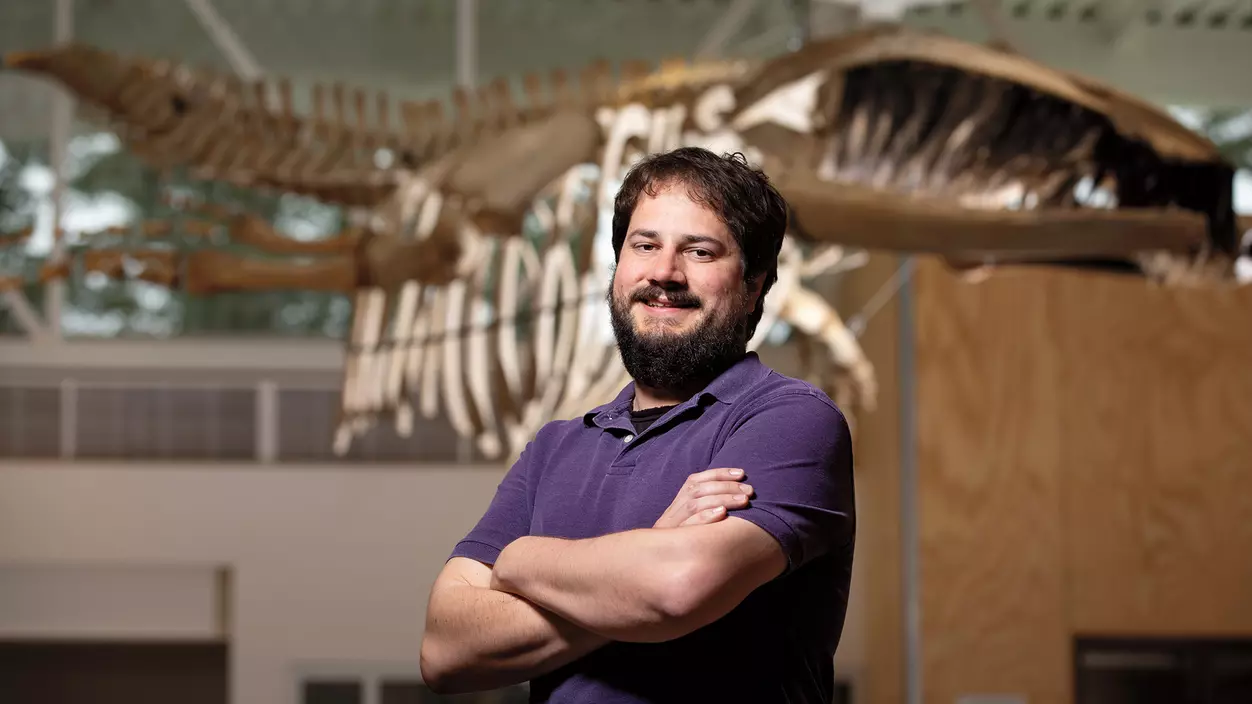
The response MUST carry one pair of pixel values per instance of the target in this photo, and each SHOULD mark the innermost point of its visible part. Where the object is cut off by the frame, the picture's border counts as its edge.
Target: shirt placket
(619, 420)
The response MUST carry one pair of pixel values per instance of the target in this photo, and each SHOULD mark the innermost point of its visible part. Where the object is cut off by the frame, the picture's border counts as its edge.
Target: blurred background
(1055, 491)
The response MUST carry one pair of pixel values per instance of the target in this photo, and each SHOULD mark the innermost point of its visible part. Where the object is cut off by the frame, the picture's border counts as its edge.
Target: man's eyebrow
(694, 239)
(686, 238)
(649, 234)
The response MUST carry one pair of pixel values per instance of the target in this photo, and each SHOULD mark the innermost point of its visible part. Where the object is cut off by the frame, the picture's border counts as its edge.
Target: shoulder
(556, 436)
(779, 421)
(787, 400)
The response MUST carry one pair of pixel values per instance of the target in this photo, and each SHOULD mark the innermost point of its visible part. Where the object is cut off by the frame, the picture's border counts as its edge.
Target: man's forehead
(673, 191)
(672, 213)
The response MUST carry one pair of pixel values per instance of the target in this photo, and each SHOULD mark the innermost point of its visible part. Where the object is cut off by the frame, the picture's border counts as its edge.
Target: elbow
(439, 673)
(696, 590)
(434, 675)
(683, 599)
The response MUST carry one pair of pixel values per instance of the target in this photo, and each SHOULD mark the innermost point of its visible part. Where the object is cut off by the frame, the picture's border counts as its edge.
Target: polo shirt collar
(736, 381)
(726, 388)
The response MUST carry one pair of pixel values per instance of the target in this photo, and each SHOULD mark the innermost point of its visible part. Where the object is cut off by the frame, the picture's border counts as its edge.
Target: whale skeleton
(479, 263)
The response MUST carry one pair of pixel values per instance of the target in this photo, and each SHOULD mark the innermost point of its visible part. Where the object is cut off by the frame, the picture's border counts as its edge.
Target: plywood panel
(1157, 390)
(1084, 447)
(989, 455)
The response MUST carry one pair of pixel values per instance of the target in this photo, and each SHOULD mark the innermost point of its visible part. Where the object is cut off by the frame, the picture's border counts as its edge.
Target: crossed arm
(645, 585)
(549, 601)
(480, 638)
(546, 602)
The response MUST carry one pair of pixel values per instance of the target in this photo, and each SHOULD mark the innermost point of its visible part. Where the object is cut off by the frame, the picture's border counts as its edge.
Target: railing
(265, 421)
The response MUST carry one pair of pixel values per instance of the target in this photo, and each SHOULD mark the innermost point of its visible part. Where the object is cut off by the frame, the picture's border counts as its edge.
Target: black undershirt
(643, 419)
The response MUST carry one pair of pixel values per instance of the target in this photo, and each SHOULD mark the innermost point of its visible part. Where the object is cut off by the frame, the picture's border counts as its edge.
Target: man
(691, 540)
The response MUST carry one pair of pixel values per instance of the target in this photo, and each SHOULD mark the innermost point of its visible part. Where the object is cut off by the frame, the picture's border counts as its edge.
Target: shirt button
(628, 438)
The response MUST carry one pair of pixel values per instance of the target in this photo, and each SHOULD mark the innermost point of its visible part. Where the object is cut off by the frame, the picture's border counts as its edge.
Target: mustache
(681, 298)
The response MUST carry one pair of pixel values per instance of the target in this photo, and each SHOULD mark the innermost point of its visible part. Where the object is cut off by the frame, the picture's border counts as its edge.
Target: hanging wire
(801, 24)
(857, 323)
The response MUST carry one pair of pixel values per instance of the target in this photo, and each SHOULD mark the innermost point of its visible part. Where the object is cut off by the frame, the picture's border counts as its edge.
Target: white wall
(329, 564)
(111, 601)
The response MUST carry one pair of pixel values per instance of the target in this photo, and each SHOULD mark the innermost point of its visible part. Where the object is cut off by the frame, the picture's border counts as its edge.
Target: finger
(726, 501)
(711, 515)
(715, 474)
(714, 488)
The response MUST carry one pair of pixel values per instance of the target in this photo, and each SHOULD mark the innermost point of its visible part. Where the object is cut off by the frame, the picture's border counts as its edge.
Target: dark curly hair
(742, 196)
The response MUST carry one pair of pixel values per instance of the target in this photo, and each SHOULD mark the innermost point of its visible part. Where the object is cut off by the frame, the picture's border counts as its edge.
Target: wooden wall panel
(989, 457)
(1157, 418)
(1084, 447)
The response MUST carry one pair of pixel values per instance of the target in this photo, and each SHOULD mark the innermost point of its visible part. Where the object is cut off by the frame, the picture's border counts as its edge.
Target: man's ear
(755, 284)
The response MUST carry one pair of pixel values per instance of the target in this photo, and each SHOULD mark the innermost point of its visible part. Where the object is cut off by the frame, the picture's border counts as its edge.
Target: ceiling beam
(287, 355)
(1159, 62)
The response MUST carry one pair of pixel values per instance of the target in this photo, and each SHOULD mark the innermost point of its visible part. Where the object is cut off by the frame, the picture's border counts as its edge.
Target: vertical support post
(373, 684)
(69, 419)
(909, 533)
(267, 421)
(467, 78)
(59, 137)
(467, 44)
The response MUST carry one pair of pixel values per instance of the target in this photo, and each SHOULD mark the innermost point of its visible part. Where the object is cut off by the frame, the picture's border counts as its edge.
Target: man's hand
(706, 497)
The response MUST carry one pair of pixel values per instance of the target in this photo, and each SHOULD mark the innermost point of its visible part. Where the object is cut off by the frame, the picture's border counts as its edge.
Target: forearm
(622, 586)
(478, 638)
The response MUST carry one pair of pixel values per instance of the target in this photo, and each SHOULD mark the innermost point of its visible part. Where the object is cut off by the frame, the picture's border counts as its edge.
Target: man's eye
(644, 246)
(702, 253)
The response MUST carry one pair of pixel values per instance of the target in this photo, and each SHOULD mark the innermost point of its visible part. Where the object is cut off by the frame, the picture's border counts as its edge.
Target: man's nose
(667, 271)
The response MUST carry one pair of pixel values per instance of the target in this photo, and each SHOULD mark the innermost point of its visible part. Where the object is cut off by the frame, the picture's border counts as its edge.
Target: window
(332, 692)
(1151, 670)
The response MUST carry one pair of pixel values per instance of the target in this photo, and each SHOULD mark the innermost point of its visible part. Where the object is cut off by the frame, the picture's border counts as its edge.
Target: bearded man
(691, 540)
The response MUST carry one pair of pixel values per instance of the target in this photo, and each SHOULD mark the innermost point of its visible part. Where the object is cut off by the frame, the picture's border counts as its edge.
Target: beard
(672, 361)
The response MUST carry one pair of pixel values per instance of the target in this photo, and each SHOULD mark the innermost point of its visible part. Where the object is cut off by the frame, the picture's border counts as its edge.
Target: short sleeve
(795, 448)
(507, 517)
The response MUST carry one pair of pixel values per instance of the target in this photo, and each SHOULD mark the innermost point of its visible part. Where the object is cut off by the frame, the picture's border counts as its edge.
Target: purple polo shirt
(590, 476)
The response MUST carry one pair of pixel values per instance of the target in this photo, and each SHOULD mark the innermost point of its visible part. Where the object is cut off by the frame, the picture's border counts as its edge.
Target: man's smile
(660, 301)
(667, 308)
